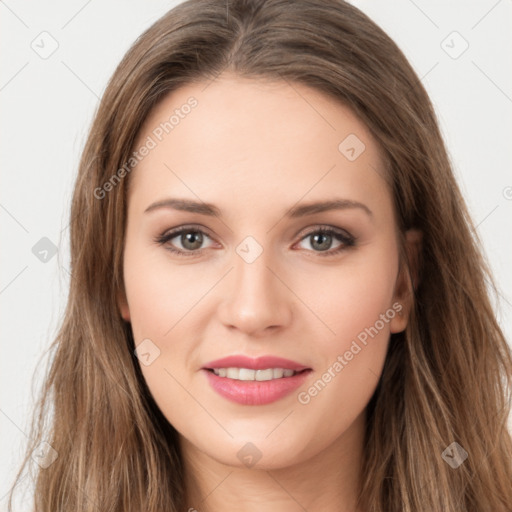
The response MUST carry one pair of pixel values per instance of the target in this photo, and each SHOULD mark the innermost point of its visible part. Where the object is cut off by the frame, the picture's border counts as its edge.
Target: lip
(258, 363)
(255, 392)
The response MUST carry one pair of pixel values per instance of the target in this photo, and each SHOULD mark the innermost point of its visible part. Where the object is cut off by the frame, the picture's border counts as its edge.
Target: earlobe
(407, 281)
(123, 305)
(399, 322)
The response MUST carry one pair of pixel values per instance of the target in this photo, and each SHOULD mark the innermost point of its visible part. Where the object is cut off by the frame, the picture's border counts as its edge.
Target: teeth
(267, 374)
(277, 373)
(258, 375)
(246, 374)
(233, 373)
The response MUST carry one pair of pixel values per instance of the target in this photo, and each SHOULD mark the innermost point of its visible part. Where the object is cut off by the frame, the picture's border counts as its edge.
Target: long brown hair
(446, 379)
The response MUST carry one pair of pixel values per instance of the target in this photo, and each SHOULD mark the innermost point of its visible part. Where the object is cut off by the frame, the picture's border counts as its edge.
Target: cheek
(167, 302)
(356, 306)
(163, 302)
(159, 293)
(351, 296)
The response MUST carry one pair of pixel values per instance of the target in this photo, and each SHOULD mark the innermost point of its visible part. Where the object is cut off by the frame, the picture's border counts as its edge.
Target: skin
(254, 149)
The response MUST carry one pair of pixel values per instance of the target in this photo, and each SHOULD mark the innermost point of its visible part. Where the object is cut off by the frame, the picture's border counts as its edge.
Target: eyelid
(324, 227)
(190, 227)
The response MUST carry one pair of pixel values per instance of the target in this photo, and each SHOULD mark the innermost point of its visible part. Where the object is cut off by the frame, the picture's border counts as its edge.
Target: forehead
(257, 141)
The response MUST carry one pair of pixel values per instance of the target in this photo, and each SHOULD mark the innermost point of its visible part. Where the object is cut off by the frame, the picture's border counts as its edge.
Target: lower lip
(255, 392)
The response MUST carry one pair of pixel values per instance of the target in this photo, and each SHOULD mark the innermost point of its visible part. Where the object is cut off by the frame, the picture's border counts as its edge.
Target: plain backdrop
(56, 59)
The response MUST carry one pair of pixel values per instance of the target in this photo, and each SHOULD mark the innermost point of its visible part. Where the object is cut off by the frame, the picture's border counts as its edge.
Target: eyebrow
(188, 205)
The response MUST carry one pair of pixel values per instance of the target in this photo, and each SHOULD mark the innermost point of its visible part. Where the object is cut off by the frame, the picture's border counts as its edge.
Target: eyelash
(347, 240)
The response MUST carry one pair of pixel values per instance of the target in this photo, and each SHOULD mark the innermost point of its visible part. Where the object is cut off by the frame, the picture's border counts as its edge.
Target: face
(226, 256)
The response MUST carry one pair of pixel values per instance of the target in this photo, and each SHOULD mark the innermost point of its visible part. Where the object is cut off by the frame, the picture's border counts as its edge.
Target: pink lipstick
(255, 381)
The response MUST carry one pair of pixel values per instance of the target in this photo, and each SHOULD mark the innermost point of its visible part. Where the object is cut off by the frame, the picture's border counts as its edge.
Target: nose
(256, 300)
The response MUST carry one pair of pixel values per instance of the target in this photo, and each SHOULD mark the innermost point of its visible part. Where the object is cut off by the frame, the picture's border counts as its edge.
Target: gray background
(48, 102)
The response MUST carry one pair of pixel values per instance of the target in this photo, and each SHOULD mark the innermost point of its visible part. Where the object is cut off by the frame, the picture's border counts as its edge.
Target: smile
(254, 381)
(250, 374)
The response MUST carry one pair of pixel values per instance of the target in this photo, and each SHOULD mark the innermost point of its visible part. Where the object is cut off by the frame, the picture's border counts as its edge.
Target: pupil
(326, 240)
(192, 240)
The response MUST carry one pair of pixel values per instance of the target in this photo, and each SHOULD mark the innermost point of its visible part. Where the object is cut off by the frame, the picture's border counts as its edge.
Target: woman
(277, 300)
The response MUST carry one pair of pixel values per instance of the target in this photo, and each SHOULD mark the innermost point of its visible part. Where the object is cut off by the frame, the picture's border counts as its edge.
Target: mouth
(259, 381)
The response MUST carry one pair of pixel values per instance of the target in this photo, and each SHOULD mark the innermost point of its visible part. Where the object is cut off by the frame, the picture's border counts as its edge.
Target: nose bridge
(255, 299)
(253, 279)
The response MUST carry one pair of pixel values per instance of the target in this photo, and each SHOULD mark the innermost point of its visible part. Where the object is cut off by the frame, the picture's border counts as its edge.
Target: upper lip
(258, 363)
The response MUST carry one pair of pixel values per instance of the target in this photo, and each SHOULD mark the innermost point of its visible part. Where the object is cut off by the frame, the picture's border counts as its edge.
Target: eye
(189, 240)
(322, 238)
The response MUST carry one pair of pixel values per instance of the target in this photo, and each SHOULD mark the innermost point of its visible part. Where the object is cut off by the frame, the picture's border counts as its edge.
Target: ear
(407, 280)
(122, 303)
